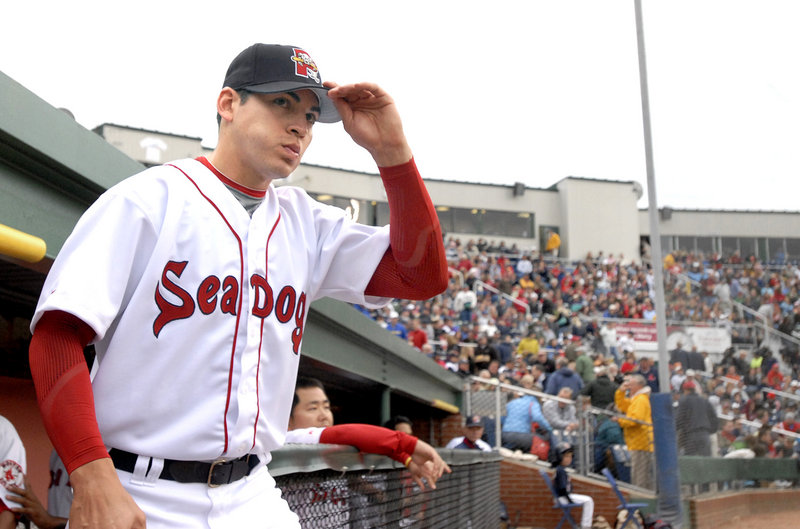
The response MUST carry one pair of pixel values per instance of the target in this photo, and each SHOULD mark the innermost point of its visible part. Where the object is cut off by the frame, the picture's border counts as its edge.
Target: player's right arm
(66, 403)
(100, 500)
(421, 459)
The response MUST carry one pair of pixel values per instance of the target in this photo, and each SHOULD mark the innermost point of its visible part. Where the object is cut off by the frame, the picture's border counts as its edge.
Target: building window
(507, 223)
(382, 214)
(747, 246)
(729, 246)
(704, 244)
(666, 244)
(466, 220)
(777, 251)
(685, 243)
(452, 220)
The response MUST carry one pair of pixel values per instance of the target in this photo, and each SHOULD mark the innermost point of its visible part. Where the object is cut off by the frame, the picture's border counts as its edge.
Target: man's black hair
(305, 383)
(397, 419)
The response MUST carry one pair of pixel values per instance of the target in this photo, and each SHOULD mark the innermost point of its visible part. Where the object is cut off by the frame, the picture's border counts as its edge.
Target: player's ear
(225, 103)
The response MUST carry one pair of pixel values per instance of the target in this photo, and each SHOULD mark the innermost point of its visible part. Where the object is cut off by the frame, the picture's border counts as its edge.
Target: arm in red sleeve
(64, 389)
(372, 440)
(414, 266)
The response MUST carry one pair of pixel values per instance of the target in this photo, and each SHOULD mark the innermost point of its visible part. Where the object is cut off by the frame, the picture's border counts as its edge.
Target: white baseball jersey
(199, 309)
(480, 443)
(59, 493)
(12, 460)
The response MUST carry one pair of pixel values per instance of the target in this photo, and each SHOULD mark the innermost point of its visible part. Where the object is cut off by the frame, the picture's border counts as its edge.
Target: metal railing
(764, 325)
(331, 486)
(488, 398)
(514, 301)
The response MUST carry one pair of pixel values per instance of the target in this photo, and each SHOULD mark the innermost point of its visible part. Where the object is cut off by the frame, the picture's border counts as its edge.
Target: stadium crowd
(509, 313)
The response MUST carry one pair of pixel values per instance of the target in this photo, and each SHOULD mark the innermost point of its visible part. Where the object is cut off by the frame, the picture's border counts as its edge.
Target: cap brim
(327, 112)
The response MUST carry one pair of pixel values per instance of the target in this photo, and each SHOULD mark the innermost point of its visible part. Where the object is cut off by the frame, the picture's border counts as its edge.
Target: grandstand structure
(590, 215)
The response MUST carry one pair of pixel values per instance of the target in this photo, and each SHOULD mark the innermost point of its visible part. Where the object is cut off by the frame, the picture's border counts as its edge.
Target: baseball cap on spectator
(689, 384)
(474, 421)
(273, 68)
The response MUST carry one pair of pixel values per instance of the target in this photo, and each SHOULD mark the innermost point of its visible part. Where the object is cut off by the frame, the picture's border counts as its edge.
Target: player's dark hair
(243, 95)
(397, 419)
(305, 383)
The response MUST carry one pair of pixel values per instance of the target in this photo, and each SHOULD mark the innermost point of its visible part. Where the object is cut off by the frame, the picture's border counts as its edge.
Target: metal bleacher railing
(331, 486)
(488, 398)
(762, 332)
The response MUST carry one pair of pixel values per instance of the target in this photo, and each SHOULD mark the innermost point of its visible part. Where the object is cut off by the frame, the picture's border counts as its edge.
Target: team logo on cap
(304, 65)
(11, 474)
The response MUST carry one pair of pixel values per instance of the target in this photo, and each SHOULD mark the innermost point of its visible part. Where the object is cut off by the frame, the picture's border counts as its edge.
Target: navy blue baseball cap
(474, 421)
(273, 68)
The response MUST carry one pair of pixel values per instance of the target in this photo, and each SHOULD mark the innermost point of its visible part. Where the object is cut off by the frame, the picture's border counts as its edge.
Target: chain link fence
(336, 486)
(602, 438)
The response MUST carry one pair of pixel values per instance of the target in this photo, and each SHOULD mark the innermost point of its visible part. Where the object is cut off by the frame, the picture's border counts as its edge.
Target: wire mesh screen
(469, 497)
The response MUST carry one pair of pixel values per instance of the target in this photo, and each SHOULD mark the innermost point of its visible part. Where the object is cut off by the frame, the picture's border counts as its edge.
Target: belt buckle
(211, 472)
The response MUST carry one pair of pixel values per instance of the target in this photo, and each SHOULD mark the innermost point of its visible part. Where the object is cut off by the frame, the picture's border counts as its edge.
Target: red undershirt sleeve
(372, 440)
(414, 266)
(64, 388)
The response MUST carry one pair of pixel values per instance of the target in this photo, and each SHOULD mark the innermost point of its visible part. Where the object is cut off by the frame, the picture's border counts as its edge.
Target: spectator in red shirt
(774, 378)
(790, 423)
(417, 336)
(629, 364)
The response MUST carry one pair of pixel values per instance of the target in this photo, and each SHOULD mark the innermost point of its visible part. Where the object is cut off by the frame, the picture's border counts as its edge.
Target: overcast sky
(504, 91)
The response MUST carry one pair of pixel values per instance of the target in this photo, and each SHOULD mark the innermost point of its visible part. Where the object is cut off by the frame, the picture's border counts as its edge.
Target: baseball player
(12, 471)
(193, 281)
(471, 440)
(59, 498)
(311, 422)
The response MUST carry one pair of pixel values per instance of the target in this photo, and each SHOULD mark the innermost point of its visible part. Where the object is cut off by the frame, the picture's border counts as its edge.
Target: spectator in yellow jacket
(633, 399)
(529, 346)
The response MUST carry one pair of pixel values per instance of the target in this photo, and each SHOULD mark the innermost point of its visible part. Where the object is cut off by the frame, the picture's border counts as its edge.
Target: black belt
(214, 474)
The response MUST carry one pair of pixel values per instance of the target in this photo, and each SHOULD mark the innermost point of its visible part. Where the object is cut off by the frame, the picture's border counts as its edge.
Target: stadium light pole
(652, 206)
(664, 436)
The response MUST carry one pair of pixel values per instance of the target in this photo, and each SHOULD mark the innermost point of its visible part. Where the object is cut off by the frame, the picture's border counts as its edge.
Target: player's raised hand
(371, 118)
(428, 464)
(100, 501)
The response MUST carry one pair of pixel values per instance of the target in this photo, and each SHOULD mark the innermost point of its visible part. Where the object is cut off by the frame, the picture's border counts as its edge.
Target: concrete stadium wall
(725, 223)
(598, 215)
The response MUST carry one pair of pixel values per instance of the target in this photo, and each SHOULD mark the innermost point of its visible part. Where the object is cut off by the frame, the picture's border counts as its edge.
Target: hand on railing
(426, 464)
